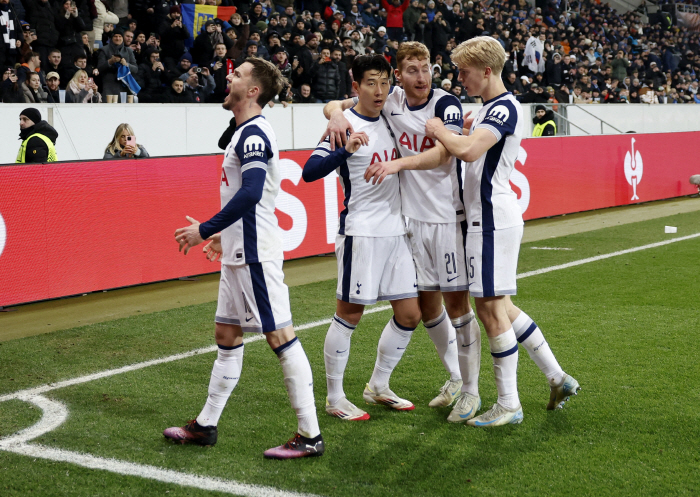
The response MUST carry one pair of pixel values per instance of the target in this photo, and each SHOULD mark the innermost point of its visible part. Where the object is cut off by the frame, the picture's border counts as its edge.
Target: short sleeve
(501, 119)
(253, 148)
(449, 109)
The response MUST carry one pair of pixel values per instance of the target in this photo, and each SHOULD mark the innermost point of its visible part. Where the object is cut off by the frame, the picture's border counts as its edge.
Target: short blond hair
(412, 49)
(480, 52)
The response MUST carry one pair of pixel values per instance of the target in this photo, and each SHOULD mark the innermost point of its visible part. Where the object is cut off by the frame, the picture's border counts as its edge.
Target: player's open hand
(188, 236)
(337, 130)
(213, 249)
(380, 170)
(468, 121)
(355, 141)
(433, 127)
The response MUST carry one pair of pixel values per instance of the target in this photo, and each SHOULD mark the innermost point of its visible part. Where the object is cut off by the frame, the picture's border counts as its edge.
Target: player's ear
(356, 87)
(397, 75)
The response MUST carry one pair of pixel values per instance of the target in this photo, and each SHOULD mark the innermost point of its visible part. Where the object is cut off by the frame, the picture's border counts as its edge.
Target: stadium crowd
(97, 49)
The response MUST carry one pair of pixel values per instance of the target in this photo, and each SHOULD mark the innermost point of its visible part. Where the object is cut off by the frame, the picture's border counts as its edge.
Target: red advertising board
(71, 228)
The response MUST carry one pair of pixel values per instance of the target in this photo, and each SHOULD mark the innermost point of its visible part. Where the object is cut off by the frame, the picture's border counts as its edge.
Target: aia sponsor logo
(634, 167)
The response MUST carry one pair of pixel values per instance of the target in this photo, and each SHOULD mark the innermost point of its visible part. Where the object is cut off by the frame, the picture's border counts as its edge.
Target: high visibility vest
(21, 155)
(539, 128)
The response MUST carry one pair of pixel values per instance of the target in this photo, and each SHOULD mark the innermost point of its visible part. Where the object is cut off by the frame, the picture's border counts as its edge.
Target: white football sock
(504, 349)
(469, 350)
(224, 378)
(531, 337)
(300, 386)
(336, 352)
(392, 345)
(442, 334)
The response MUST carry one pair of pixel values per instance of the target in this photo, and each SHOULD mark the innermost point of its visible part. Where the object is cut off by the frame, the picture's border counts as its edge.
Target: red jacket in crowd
(394, 14)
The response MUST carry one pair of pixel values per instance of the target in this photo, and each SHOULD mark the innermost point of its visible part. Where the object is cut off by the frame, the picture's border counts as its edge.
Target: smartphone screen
(90, 81)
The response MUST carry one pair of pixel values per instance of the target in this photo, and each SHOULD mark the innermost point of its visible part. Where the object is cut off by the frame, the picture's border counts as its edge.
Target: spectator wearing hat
(38, 138)
(380, 40)
(10, 35)
(258, 14)
(553, 70)
(543, 121)
(262, 50)
(53, 81)
(42, 16)
(173, 35)
(209, 37)
(183, 65)
(110, 24)
(108, 60)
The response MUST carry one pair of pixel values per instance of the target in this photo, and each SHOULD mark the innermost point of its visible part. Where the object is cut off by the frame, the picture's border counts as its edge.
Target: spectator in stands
(10, 35)
(304, 96)
(53, 81)
(220, 68)
(82, 90)
(124, 146)
(69, 25)
(173, 35)
(31, 65)
(176, 94)
(544, 122)
(10, 89)
(38, 138)
(31, 88)
(211, 35)
(325, 77)
(394, 18)
(345, 89)
(42, 16)
(108, 61)
(199, 83)
(152, 78)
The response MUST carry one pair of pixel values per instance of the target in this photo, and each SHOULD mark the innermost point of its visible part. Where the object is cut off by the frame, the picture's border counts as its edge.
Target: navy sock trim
(404, 328)
(506, 353)
(437, 320)
(344, 323)
(527, 333)
(224, 347)
(285, 346)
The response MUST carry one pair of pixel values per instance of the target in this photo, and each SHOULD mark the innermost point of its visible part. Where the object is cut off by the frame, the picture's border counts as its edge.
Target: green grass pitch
(625, 327)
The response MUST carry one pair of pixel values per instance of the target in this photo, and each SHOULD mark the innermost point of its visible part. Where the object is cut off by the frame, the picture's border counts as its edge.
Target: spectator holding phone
(82, 90)
(10, 89)
(108, 61)
(124, 146)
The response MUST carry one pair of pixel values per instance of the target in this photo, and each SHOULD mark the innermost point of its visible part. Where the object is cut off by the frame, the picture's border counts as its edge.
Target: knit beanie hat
(31, 113)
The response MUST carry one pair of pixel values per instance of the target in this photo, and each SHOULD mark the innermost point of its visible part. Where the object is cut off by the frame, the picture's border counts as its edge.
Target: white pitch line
(54, 413)
(140, 365)
(550, 248)
(605, 256)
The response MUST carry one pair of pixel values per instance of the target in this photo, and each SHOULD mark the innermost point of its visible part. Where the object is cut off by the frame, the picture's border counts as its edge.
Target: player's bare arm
(467, 148)
(430, 159)
(338, 125)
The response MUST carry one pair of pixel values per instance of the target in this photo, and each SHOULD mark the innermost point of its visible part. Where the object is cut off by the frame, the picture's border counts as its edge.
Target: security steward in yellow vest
(38, 138)
(544, 122)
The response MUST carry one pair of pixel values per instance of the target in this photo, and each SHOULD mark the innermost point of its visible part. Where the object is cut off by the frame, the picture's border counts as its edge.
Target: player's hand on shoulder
(213, 249)
(433, 126)
(337, 129)
(355, 141)
(380, 170)
(188, 236)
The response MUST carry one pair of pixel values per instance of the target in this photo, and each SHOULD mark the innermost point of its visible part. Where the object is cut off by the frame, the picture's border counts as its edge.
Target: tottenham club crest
(633, 169)
(253, 146)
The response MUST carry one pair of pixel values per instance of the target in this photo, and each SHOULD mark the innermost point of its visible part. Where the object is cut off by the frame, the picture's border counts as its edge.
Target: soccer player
(252, 293)
(432, 204)
(495, 225)
(373, 251)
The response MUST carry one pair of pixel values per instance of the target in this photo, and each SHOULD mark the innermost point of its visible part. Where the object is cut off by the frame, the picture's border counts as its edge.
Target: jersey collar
(370, 119)
(496, 97)
(246, 122)
(421, 106)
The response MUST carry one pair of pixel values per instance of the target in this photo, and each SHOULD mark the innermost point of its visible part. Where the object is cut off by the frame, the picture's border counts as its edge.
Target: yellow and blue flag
(195, 16)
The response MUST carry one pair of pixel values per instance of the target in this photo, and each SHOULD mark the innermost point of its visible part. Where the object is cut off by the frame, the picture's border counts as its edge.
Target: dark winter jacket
(42, 17)
(325, 80)
(549, 129)
(37, 151)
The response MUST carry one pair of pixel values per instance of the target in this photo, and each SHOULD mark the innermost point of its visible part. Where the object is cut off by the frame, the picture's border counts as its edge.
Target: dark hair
(78, 57)
(55, 50)
(268, 77)
(364, 63)
(30, 55)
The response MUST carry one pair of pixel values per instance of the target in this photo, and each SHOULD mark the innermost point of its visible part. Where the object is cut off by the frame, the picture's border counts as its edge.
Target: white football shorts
(374, 268)
(438, 253)
(254, 297)
(492, 261)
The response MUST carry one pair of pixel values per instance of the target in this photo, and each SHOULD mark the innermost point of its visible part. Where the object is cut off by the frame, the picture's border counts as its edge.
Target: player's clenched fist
(355, 141)
(188, 236)
(433, 127)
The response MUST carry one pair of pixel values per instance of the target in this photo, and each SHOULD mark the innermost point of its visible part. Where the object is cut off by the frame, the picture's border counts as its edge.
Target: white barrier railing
(168, 129)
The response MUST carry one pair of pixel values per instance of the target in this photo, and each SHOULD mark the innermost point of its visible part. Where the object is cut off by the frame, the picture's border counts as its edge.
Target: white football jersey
(490, 201)
(256, 237)
(370, 210)
(430, 196)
